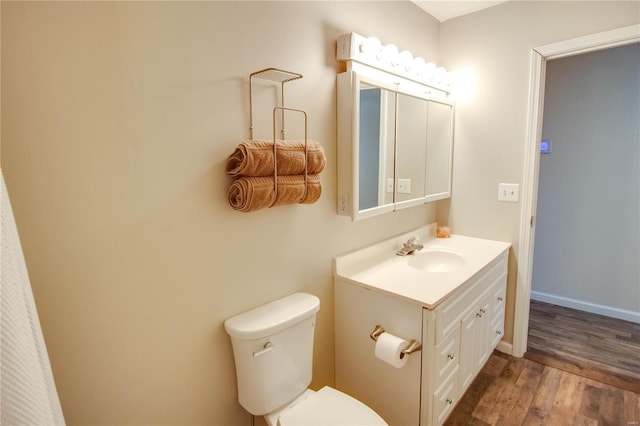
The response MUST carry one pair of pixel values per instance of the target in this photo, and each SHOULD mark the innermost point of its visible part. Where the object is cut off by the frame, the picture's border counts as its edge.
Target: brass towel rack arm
(275, 151)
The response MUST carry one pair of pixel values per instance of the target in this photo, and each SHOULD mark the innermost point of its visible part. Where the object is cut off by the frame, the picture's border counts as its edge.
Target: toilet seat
(329, 406)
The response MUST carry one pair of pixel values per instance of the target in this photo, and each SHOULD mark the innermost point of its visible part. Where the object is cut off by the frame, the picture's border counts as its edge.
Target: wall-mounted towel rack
(297, 181)
(278, 76)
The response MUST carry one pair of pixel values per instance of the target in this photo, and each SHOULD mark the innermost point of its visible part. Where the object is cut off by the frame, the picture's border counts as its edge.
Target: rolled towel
(248, 194)
(255, 158)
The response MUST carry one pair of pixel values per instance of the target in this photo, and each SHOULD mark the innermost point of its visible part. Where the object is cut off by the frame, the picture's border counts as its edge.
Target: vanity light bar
(371, 52)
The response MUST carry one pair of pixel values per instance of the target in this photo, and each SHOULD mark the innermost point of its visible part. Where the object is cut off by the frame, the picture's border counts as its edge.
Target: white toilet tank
(273, 351)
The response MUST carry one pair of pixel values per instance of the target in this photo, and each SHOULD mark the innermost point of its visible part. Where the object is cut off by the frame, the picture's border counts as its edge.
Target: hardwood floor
(580, 369)
(519, 391)
(594, 346)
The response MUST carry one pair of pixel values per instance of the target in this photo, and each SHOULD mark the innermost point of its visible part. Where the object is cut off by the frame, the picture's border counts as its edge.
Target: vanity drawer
(445, 398)
(498, 299)
(497, 329)
(451, 311)
(447, 355)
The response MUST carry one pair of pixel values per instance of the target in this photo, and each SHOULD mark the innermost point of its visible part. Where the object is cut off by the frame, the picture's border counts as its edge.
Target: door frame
(539, 57)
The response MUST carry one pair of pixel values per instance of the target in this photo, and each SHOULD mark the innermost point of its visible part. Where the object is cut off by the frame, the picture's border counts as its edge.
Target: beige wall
(495, 45)
(117, 119)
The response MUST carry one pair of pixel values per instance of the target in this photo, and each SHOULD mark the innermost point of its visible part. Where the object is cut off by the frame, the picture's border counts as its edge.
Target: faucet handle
(414, 240)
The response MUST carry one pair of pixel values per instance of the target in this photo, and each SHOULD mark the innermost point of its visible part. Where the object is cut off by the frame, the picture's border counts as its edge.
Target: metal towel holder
(413, 346)
(282, 77)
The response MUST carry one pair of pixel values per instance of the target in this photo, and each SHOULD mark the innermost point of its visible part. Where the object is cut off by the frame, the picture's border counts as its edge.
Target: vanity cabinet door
(475, 340)
(485, 339)
(468, 349)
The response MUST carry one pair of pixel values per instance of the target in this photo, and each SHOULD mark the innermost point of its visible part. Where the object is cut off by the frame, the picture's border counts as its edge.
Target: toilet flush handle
(266, 348)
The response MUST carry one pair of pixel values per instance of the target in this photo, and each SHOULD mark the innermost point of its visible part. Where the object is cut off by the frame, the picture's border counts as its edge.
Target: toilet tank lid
(273, 317)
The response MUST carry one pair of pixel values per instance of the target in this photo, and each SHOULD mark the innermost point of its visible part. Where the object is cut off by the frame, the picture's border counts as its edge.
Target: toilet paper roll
(389, 349)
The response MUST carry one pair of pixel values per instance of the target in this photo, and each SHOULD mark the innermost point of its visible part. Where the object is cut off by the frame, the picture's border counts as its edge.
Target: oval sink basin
(436, 261)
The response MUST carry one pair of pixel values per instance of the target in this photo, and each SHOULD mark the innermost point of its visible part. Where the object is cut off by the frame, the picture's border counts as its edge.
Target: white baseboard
(608, 311)
(504, 347)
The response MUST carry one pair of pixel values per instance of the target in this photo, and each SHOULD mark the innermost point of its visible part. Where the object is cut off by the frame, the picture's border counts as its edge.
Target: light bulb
(417, 67)
(370, 47)
(404, 59)
(449, 78)
(388, 54)
(429, 69)
(439, 75)
(417, 63)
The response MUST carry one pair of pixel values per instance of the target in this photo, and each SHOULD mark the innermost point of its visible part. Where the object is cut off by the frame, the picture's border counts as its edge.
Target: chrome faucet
(410, 246)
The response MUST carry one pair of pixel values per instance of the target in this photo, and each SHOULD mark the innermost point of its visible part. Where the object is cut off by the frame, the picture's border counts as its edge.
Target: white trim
(539, 56)
(590, 43)
(528, 209)
(382, 149)
(580, 305)
(504, 347)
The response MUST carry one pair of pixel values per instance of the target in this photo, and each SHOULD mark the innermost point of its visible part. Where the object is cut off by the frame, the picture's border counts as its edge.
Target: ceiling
(443, 10)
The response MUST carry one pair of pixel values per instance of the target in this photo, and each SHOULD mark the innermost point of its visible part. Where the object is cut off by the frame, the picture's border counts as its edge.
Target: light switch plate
(508, 192)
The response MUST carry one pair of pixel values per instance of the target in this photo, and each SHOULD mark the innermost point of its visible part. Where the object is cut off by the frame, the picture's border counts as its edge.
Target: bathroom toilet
(273, 351)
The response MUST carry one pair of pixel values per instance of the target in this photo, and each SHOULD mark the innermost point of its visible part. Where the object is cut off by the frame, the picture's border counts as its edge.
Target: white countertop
(379, 268)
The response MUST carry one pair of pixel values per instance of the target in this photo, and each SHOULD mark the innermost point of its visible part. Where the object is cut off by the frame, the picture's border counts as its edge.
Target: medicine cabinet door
(439, 150)
(376, 147)
(411, 150)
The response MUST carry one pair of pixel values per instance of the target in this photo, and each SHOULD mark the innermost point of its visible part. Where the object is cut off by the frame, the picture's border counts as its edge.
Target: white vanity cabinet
(458, 334)
(467, 329)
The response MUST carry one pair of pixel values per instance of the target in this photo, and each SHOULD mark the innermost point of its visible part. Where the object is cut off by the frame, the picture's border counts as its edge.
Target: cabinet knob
(499, 332)
(451, 356)
(483, 310)
(500, 299)
(449, 401)
(479, 314)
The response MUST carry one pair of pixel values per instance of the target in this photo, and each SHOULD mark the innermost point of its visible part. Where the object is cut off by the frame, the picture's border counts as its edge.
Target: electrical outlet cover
(404, 186)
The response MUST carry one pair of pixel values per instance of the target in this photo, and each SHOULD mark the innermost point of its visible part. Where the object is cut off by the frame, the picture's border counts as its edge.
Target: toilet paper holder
(413, 346)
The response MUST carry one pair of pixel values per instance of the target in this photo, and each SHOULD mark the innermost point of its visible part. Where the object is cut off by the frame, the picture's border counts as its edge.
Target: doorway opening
(539, 58)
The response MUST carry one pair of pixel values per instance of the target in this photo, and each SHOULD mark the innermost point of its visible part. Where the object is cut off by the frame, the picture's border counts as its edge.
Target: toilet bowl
(327, 406)
(273, 353)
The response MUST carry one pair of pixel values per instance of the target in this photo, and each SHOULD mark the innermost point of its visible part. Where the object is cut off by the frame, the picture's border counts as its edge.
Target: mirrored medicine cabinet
(395, 146)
